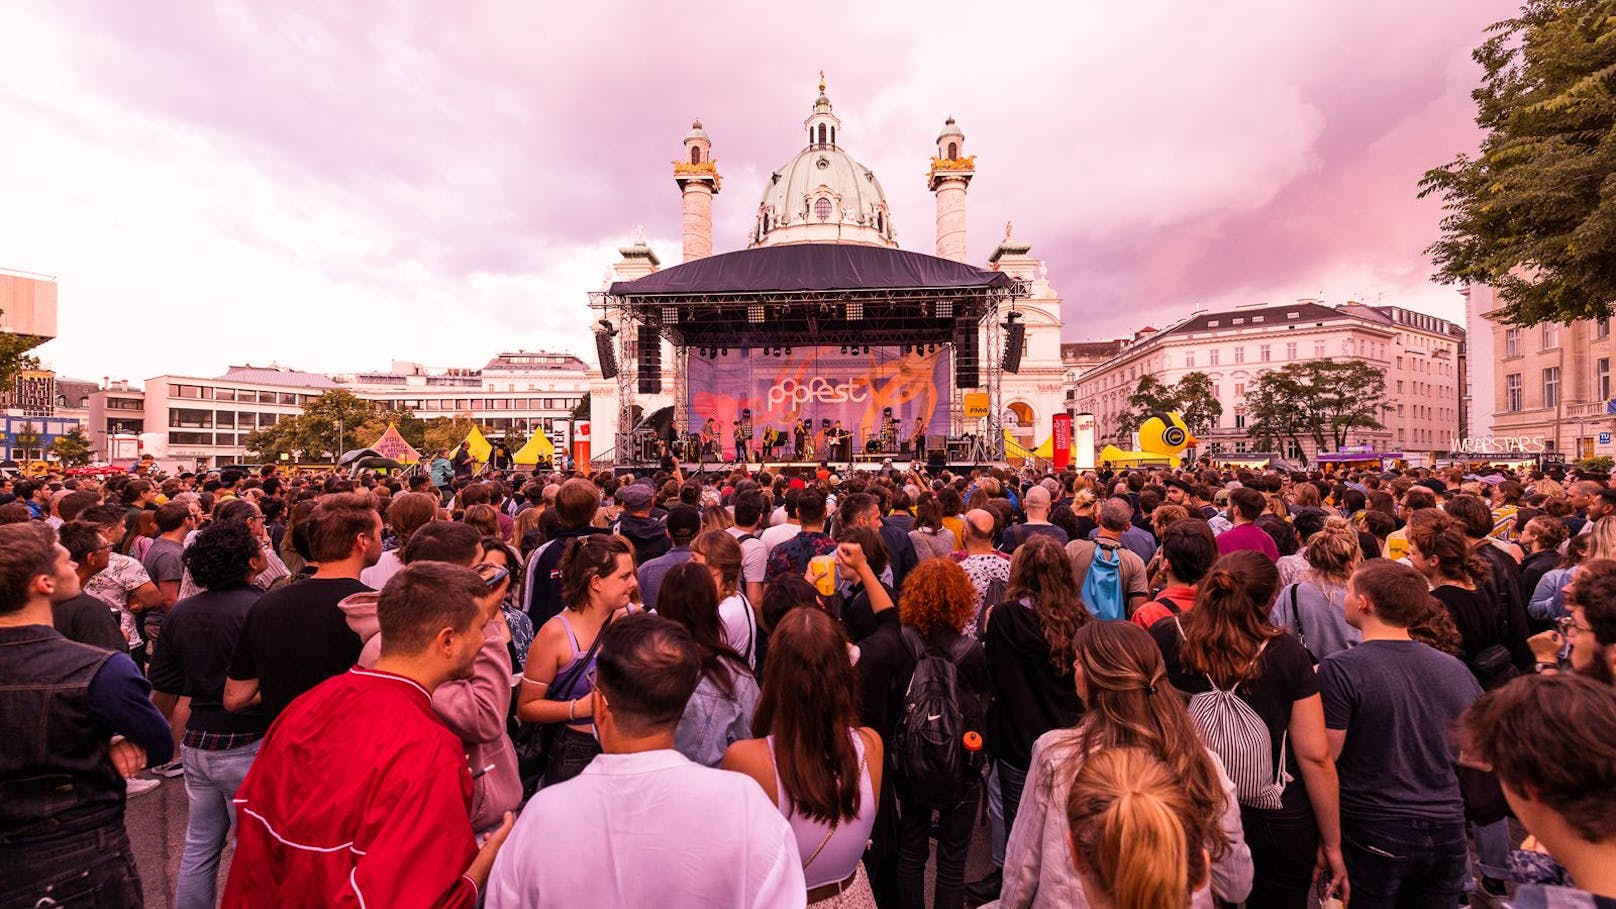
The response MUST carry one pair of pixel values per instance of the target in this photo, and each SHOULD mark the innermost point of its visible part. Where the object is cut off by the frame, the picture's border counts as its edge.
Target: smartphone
(493, 575)
(827, 582)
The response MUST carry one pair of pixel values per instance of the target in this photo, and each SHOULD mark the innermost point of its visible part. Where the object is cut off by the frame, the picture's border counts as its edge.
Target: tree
(1531, 214)
(410, 426)
(330, 422)
(581, 410)
(1320, 399)
(14, 356)
(72, 448)
(270, 442)
(1192, 396)
(444, 433)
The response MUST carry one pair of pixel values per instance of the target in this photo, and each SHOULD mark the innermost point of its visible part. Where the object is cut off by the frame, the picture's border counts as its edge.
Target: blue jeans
(1404, 864)
(94, 869)
(211, 781)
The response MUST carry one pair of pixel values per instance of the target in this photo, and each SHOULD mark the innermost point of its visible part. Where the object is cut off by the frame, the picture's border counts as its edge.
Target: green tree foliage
(1320, 399)
(14, 356)
(1534, 212)
(330, 423)
(581, 410)
(270, 442)
(444, 433)
(1192, 396)
(72, 449)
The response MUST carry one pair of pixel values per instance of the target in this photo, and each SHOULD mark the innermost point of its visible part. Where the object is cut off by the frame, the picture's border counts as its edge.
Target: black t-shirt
(1030, 696)
(1397, 702)
(194, 652)
(294, 638)
(1477, 614)
(88, 620)
(1284, 676)
(881, 659)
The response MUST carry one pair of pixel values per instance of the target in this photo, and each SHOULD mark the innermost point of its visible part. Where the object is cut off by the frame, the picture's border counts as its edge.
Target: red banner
(1063, 440)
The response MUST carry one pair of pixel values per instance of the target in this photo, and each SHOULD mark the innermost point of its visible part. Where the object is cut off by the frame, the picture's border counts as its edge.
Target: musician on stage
(709, 439)
(771, 442)
(918, 437)
(743, 440)
(799, 438)
(840, 441)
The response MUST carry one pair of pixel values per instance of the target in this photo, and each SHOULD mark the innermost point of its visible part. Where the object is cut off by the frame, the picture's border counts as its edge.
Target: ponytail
(1125, 803)
(1229, 624)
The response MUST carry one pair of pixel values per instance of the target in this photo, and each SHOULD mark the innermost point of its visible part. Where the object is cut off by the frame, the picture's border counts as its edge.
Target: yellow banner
(976, 404)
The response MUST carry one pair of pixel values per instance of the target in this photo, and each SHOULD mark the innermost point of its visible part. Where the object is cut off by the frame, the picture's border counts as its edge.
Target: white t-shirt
(778, 534)
(740, 626)
(754, 555)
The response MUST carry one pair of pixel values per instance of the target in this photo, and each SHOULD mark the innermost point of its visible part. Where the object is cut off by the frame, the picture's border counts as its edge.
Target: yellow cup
(826, 584)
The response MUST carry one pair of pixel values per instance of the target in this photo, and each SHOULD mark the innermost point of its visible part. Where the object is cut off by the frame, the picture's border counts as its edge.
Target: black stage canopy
(812, 293)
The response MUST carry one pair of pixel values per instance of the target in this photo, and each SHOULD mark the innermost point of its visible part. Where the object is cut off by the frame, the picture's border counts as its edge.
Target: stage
(806, 469)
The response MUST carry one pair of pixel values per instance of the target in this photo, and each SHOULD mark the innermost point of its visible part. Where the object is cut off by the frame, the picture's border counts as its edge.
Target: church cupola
(822, 124)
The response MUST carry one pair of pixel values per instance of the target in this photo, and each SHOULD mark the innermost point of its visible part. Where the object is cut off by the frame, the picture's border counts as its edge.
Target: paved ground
(156, 824)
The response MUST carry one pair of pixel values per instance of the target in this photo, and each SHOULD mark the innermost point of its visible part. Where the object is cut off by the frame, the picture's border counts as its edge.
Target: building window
(1551, 386)
(1318, 348)
(1602, 377)
(695, 154)
(822, 208)
(1602, 328)
(953, 150)
(822, 134)
(1551, 336)
(1264, 353)
(1240, 355)
(1239, 389)
(1239, 419)
(1189, 358)
(1290, 350)
(1512, 342)
(1512, 392)
(1212, 357)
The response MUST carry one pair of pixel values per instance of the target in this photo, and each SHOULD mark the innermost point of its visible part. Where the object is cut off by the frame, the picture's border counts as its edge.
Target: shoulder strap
(577, 669)
(1296, 612)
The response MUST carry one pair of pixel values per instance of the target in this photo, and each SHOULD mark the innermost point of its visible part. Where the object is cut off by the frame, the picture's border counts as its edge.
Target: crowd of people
(1160, 688)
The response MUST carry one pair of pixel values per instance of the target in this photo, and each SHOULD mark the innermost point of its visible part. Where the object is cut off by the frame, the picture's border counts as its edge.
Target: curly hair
(937, 593)
(221, 555)
(1041, 573)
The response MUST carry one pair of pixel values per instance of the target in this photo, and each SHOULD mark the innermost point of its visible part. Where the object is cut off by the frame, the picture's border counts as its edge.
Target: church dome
(822, 195)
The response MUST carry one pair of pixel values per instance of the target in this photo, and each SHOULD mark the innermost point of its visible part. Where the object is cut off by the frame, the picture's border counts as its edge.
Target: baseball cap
(636, 497)
(684, 523)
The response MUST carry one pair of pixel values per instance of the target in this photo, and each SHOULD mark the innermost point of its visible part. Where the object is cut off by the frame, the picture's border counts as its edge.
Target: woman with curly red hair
(938, 598)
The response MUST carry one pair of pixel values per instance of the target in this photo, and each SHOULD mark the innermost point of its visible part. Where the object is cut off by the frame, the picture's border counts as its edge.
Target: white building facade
(1421, 356)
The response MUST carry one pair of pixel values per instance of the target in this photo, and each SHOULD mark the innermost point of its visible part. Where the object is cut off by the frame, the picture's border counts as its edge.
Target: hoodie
(474, 709)
(649, 536)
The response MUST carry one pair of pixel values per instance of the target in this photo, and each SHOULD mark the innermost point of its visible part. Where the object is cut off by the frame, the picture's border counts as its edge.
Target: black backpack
(930, 763)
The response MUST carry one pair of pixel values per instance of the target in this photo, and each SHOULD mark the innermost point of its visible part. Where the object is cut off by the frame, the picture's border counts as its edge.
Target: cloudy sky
(336, 185)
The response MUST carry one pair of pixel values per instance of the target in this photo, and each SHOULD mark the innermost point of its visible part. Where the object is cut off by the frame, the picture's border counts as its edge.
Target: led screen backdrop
(821, 384)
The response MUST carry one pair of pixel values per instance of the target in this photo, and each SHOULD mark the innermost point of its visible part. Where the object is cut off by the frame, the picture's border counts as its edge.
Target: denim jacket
(713, 721)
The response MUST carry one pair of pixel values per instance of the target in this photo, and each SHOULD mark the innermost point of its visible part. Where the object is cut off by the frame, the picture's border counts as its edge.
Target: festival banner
(1083, 442)
(821, 385)
(1063, 440)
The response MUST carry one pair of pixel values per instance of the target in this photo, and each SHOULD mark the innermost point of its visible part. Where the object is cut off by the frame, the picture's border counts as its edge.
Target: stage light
(724, 352)
(855, 310)
(788, 351)
(670, 315)
(754, 312)
(945, 309)
(843, 350)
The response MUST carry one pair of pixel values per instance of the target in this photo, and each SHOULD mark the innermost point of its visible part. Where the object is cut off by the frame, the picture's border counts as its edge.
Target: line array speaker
(965, 360)
(649, 362)
(1015, 336)
(607, 352)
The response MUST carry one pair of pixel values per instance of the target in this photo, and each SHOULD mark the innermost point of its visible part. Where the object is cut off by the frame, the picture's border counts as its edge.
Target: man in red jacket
(359, 796)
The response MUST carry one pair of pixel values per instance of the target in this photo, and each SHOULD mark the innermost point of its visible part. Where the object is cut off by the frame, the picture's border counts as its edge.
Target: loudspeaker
(965, 363)
(607, 352)
(935, 458)
(1014, 337)
(649, 364)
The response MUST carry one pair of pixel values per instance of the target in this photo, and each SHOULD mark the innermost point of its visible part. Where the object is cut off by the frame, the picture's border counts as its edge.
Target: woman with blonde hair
(721, 554)
(1314, 607)
(714, 517)
(1118, 673)
(1124, 804)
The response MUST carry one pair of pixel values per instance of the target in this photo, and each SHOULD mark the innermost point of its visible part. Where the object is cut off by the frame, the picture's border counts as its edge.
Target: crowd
(1161, 688)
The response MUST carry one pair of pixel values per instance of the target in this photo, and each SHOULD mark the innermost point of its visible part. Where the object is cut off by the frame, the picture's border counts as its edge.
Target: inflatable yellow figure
(1162, 440)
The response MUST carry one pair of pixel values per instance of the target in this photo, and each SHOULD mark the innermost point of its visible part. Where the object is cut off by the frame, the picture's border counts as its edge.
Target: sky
(335, 186)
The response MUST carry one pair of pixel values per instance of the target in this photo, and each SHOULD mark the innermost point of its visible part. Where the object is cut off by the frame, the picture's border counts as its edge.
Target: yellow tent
(477, 446)
(392, 445)
(1014, 449)
(539, 448)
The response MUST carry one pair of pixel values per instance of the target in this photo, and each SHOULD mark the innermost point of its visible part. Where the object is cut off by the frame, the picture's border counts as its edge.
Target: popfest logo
(816, 389)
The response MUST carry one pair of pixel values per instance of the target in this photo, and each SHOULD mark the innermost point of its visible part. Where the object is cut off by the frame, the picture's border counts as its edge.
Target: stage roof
(812, 267)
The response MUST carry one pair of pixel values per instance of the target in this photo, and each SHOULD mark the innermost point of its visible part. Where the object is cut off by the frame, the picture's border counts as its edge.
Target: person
(648, 533)
(683, 523)
(190, 661)
(929, 538)
(718, 840)
(575, 505)
(1132, 537)
(1187, 552)
(917, 441)
(1541, 538)
(475, 708)
(75, 720)
(822, 770)
(84, 618)
(1113, 515)
(389, 780)
(1313, 607)
(792, 556)
(864, 510)
(1117, 672)
(1036, 503)
(934, 606)
(749, 506)
(1389, 704)
(597, 576)
(1589, 627)
(1245, 507)
(1124, 803)
(462, 462)
(719, 712)
(1548, 738)
(296, 636)
(1227, 643)
(406, 513)
(1462, 582)
(1029, 653)
(500, 554)
(986, 566)
(721, 555)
